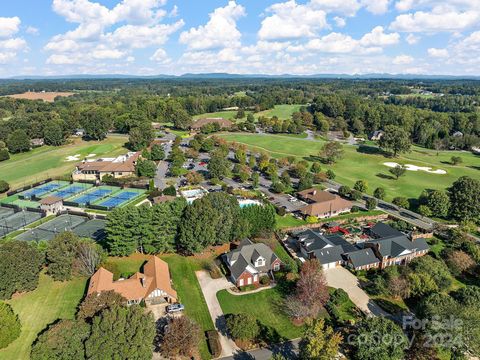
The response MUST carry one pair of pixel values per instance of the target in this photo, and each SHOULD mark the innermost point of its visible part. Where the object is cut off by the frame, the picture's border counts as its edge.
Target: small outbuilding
(52, 205)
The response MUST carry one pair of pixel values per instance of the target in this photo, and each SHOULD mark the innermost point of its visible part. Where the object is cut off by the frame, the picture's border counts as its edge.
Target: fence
(27, 187)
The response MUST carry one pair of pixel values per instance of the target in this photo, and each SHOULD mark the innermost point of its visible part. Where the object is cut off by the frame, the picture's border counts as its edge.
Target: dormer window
(260, 262)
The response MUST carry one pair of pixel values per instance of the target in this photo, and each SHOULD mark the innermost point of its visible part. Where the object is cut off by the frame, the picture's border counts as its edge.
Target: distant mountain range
(248, 76)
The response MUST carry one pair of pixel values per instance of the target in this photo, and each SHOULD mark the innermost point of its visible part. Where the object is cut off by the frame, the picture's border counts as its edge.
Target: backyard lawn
(182, 270)
(36, 309)
(368, 164)
(48, 161)
(265, 306)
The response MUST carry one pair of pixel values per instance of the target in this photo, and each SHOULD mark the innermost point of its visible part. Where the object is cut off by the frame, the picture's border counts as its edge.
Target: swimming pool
(247, 202)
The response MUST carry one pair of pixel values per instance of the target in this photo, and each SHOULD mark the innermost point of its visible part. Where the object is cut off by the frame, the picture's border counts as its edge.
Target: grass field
(182, 270)
(280, 111)
(47, 161)
(51, 300)
(265, 306)
(230, 115)
(367, 163)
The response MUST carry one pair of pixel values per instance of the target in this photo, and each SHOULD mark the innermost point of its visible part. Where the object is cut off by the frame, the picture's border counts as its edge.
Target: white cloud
(220, 31)
(14, 44)
(32, 30)
(437, 53)
(290, 20)
(344, 7)
(376, 7)
(377, 37)
(108, 34)
(412, 39)
(339, 21)
(9, 26)
(403, 60)
(160, 56)
(439, 20)
(6, 57)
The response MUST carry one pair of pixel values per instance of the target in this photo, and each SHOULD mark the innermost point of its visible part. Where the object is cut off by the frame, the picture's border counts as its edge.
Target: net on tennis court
(17, 221)
(91, 197)
(69, 191)
(41, 190)
(119, 198)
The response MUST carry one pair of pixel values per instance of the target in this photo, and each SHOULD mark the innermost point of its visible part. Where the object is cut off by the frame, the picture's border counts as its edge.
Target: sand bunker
(416, 168)
(75, 157)
(91, 155)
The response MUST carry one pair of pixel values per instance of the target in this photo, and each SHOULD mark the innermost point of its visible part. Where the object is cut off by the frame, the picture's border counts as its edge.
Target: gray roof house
(363, 259)
(327, 249)
(382, 230)
(249, 261)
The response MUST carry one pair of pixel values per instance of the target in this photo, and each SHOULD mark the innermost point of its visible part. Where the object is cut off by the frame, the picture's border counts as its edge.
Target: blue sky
(146, 37)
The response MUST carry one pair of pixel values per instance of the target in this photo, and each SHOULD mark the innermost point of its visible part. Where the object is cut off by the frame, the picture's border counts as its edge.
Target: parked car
(175, 308)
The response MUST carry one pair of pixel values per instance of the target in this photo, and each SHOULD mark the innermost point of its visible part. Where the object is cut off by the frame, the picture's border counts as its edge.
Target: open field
(45, 96)
(48, 161)
(265, 306)
(367, 163)
(280, 111)
(51, 300)
(230, 115)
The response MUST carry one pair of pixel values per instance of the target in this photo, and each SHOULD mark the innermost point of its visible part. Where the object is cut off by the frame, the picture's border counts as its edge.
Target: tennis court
(17, 221)
(94, 229)
(71, 190)
(120, 198)
(93, 195)
(43, 189)
(5, 212)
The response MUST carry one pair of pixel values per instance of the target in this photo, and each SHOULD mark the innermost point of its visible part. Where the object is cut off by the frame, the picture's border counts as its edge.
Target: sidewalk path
(210, 287)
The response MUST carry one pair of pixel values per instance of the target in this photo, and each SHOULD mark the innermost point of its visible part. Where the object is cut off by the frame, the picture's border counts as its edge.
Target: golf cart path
(210, 287)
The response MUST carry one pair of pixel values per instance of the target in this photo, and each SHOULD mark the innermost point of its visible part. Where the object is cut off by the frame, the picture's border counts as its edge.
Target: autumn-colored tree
(399, 287)
(180, 338)
(459, 261)
(311, 292)
(319, 342)
(194, 178)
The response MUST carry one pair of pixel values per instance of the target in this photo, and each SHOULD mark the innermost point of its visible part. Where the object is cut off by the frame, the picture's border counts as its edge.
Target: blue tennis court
(92, 196)
(41, 190)
(69, 191)
(118, 199)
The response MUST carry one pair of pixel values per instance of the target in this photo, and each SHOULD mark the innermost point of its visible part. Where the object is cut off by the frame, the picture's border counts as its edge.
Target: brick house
(153, 285)
(322, 204)
(250, 261)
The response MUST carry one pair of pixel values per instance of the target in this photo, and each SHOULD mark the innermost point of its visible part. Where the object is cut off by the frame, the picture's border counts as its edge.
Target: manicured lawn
(185, 282)
(280, 111)
(265, 305)
(230, 115)
(49, 161)
(366, 163)
(288, 221)
(36, 309)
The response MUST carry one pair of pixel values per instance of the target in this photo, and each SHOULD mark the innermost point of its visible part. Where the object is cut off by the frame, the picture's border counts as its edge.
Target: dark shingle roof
(362, 257)
(393, 246)
(246, 254)
(382, 230)
(338, 240)
(329, 255)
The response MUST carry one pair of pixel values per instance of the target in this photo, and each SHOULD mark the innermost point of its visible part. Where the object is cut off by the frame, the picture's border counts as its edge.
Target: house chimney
(142, 280)
(314, 192)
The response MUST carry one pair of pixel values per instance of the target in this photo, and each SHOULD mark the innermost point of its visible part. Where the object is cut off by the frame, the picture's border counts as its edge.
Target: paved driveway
(210, 287)
(342, 278)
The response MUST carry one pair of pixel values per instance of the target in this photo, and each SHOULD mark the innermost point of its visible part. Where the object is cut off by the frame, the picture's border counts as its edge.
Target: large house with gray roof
(386, 246)
(249, 261)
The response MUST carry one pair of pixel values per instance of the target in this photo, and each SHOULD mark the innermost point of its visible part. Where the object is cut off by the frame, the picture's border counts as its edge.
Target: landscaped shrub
(4, 155)
(339, 296)
(243, 327)
(10, 325)
(280, 211)
(214, 343)
(265, 280)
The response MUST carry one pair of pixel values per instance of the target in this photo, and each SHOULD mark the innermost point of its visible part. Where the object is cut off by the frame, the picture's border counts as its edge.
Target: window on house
(276, 267)
(260, 262)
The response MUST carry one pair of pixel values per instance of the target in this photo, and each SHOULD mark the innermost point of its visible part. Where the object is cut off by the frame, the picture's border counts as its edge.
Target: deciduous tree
(319, 341)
